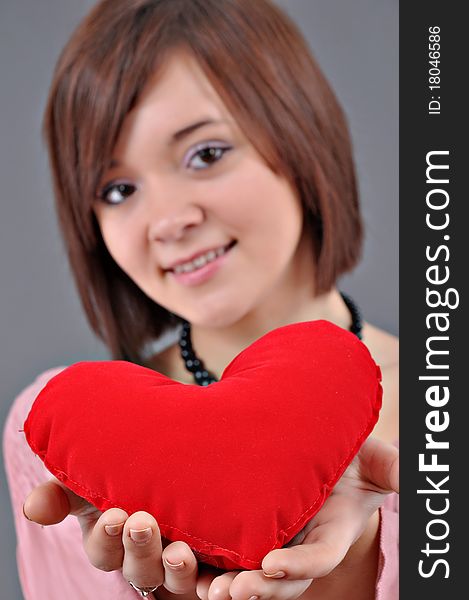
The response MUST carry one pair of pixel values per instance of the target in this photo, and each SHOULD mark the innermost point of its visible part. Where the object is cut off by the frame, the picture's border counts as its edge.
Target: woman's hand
(114, 540)
(323, 543)
(286, 573)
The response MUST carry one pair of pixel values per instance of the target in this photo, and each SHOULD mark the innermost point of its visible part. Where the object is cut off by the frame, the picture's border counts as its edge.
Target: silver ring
(143, 591)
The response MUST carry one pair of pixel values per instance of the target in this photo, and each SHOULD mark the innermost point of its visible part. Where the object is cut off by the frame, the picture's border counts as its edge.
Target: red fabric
(234, 469)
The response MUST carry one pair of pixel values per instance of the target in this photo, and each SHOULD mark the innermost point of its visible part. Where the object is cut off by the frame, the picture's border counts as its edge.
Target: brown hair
(261, 67)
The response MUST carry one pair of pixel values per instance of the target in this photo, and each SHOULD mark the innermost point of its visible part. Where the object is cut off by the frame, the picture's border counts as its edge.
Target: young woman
(206, 192)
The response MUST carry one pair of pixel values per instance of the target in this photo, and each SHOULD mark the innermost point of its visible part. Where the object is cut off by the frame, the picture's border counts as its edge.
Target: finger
(103, 540)
(220, 586)
(180, 568)
(324, 547)
(379, 462)
(204, 580)
(142, 551)
(254, 584)
(323, 550)
(47, 504)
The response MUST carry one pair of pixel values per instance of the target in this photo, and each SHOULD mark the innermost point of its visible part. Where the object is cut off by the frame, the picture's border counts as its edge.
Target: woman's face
(190, 211)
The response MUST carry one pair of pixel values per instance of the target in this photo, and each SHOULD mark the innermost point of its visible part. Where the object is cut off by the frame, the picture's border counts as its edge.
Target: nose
(173, 223)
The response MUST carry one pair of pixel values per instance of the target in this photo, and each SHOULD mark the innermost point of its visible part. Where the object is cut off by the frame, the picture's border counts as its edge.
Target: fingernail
(277, 575)
(114, 530)
(141, 536)
(175, 566)
(254, 598)
(26, 516)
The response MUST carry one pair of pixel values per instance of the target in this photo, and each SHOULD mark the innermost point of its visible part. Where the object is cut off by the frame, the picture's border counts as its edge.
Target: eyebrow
(181, 134)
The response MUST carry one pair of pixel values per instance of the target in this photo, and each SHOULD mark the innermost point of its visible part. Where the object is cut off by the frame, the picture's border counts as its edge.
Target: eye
(117, 192)
(203, 156)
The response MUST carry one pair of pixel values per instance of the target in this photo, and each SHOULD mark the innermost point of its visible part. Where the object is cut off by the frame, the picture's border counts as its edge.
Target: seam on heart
(64, 477)
(233, 553)
(364, 433)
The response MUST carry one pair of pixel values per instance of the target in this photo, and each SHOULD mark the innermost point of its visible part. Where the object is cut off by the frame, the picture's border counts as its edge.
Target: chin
(217, 318)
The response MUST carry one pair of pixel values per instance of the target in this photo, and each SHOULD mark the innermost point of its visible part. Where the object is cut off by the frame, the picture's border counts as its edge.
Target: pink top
(51, 561)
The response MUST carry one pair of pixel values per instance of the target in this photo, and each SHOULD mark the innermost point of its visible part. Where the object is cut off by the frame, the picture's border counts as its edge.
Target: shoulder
(23, 402)
(384, 348)
(16, 450)
(24, 470)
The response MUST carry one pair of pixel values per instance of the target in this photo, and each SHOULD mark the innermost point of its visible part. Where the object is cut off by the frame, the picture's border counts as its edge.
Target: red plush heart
(234, 469)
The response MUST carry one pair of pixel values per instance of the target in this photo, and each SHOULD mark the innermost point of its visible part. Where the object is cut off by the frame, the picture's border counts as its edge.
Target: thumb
(50, 502)
(379, 463)
(47, 504)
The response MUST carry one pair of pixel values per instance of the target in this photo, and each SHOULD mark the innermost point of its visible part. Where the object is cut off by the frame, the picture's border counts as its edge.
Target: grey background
(41, 323)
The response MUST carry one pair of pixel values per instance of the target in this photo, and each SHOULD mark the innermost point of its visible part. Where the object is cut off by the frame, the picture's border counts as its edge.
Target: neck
(218, 346)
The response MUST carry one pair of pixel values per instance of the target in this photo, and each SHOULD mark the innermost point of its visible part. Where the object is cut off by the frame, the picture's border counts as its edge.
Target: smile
(202, 260)
(202, 267)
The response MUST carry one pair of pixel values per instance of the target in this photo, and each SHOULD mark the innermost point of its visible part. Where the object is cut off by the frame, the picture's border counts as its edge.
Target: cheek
(123, 245)
(253, 197)
(270, 216)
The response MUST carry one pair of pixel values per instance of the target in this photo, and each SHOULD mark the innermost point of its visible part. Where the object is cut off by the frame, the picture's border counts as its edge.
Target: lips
(198, 259)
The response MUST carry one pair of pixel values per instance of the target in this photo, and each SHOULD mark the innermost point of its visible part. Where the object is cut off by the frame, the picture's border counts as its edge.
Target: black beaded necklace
(204, 377)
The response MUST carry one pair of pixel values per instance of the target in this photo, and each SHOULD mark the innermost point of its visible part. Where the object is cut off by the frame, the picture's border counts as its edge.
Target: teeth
(200, 261)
